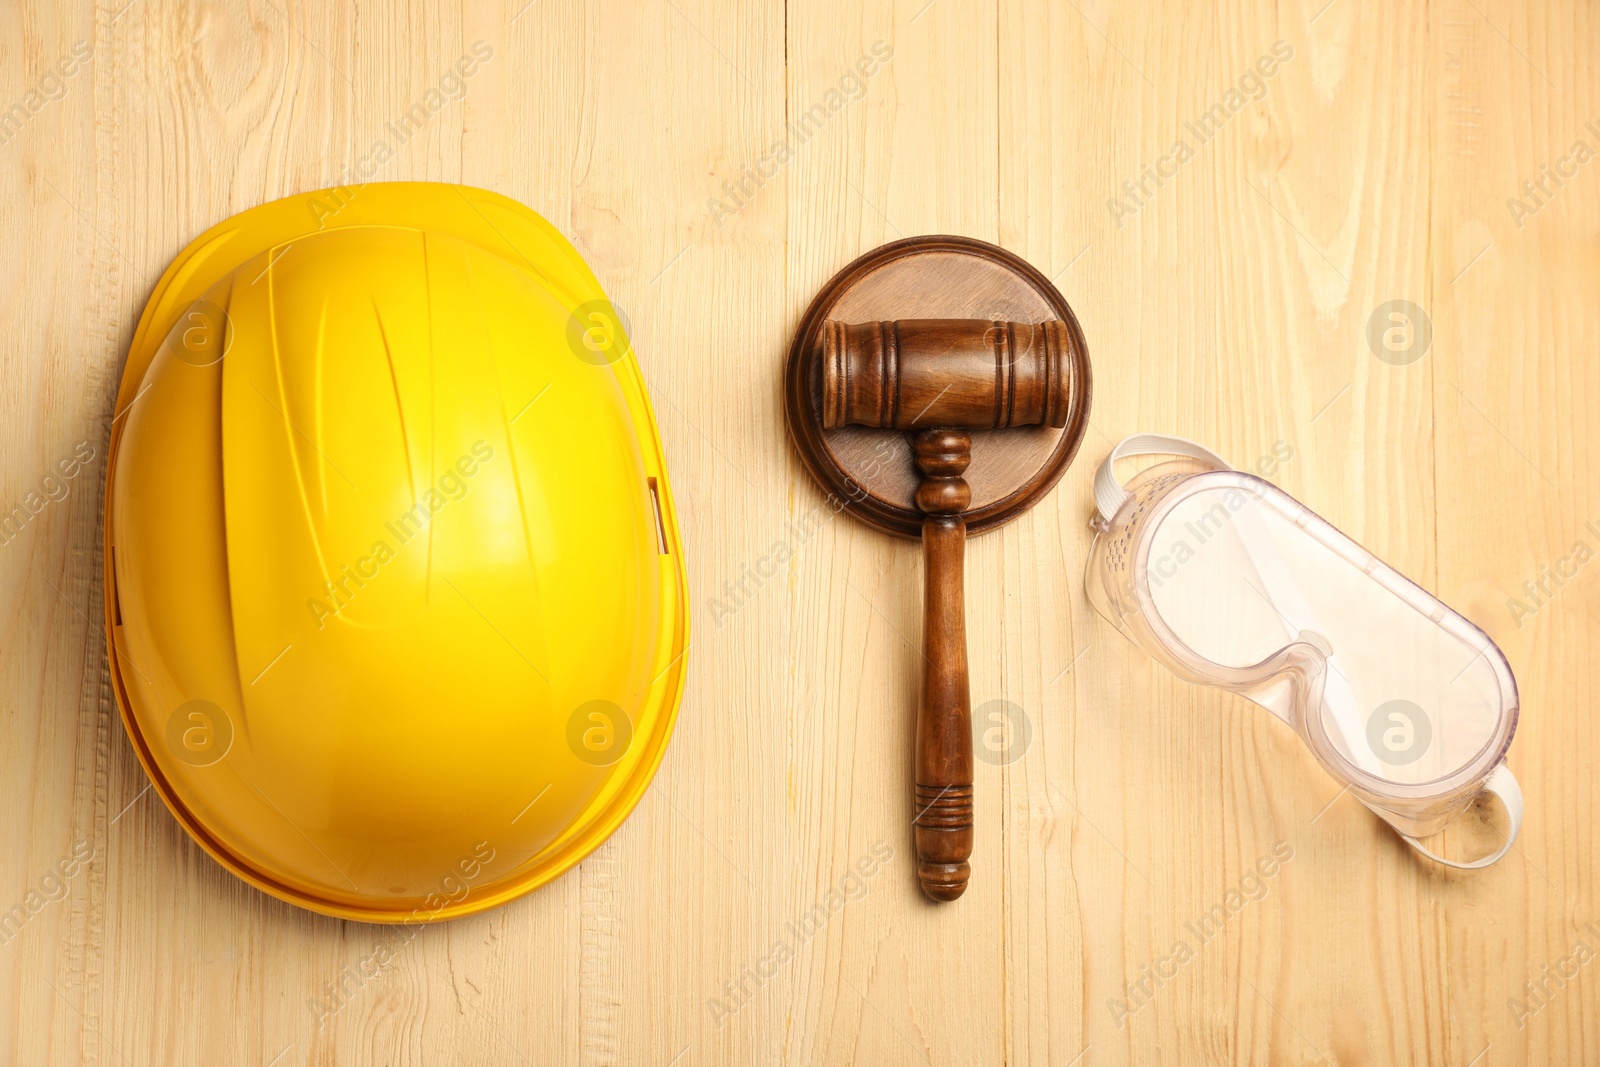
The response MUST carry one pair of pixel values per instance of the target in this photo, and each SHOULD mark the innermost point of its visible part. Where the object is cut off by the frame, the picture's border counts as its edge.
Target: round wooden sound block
(871, 470)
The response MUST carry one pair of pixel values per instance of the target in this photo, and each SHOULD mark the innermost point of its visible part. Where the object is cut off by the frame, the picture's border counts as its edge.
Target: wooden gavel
(942, 378)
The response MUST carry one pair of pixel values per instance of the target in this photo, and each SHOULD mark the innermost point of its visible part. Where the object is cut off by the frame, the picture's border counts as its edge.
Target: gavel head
(917, 374)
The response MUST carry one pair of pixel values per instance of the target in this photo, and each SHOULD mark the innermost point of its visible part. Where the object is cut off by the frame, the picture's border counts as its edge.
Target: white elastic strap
(1108, 492)
(1503, 784)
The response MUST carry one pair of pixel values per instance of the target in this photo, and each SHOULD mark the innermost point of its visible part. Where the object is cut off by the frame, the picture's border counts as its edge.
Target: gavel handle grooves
(943, 820)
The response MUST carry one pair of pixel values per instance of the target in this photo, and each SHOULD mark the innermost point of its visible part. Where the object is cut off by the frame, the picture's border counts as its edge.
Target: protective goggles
(1231, 582)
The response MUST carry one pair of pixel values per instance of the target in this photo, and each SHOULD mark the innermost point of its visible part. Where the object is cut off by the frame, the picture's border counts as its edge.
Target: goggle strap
(1108, 492)
(1503, 784)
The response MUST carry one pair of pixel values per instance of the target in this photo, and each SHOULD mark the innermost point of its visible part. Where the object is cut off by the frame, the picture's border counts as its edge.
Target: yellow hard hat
(395, 600)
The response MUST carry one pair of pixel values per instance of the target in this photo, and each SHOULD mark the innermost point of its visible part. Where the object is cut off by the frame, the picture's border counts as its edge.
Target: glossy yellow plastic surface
(395, 600)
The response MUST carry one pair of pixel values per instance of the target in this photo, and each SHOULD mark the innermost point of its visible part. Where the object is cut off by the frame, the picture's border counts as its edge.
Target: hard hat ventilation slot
(661, 527)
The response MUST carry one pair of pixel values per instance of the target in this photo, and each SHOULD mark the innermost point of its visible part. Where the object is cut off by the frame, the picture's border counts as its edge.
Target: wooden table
(1232, 241)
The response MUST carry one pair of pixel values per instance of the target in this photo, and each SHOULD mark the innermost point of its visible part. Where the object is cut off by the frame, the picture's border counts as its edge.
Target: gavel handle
(943, 820)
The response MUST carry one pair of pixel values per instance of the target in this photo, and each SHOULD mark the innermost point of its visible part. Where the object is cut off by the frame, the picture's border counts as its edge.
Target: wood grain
(758, 907)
